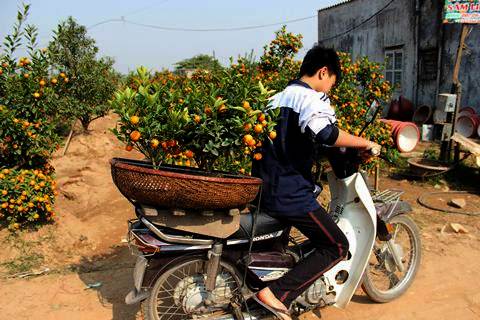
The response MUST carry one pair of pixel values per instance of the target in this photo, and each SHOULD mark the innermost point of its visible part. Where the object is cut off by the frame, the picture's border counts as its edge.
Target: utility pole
(458, 85)
(446, 148)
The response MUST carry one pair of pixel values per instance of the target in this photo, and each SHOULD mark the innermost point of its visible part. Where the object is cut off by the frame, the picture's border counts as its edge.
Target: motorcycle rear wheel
(182, 286)
(382, 267)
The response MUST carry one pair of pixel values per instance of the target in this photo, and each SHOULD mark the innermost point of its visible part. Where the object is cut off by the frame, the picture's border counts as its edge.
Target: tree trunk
(85, 123)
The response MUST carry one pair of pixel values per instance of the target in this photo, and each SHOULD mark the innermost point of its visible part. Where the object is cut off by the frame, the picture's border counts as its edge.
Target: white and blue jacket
(306, 118)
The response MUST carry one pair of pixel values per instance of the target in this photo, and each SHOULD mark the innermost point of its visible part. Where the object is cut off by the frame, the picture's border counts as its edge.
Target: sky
(133, 45)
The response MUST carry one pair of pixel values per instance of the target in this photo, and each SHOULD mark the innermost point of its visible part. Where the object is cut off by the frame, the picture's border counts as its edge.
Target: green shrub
(26, 196)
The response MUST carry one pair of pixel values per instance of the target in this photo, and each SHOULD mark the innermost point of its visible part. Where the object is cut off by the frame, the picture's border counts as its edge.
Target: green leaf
(239, 109)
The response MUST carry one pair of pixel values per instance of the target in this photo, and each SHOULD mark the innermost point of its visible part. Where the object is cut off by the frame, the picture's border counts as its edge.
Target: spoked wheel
(383, 281)
(180, 293)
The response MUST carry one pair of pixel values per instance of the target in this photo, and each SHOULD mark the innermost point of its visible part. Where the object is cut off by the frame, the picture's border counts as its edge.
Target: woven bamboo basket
(181, 187)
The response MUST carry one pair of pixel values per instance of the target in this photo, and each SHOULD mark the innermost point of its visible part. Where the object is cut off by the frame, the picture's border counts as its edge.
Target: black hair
(319, 57)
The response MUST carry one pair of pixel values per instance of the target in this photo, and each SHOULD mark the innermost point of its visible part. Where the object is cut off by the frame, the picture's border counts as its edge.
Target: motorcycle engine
(192, 295)
(315, 296)
(315, 292)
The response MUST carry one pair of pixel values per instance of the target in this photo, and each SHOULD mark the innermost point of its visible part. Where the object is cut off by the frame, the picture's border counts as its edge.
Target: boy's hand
(347, 140)
(372, 150)
(375, 148)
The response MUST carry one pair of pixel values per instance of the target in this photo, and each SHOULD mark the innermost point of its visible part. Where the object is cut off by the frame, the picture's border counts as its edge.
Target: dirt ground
(87, 247)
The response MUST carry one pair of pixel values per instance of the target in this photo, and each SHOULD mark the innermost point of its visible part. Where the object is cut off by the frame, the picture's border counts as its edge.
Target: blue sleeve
(327, 136)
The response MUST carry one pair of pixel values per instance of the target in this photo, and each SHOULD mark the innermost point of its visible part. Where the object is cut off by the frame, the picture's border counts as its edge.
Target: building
(421, 51)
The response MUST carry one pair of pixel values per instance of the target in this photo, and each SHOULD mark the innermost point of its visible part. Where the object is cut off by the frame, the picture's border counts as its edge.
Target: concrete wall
(469, 74)
(393, 27)
(429, 46)
(445, 38)
(423, 77)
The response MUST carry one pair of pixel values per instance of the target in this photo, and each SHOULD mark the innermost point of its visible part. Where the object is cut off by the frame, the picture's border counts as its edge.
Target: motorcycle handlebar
(375, 151)
(346, 161)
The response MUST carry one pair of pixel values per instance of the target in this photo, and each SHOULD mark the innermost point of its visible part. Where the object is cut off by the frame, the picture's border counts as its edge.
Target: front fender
(358, 222)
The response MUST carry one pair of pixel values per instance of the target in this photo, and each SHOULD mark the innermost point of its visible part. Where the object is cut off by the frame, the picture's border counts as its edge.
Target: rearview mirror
(372, 111)
(371, 114)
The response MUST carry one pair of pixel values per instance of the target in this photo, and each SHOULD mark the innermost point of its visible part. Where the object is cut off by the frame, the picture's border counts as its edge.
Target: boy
(306, 119)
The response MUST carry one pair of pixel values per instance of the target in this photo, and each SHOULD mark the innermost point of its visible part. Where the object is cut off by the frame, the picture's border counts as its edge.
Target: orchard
(36, 101)
(217, 119)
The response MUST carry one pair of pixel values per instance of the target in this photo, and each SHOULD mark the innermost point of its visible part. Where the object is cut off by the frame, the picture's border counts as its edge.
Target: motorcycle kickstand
(237, 310)
(317, 313)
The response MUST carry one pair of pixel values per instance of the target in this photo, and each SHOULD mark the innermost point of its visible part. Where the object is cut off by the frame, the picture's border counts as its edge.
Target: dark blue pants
(331, 246)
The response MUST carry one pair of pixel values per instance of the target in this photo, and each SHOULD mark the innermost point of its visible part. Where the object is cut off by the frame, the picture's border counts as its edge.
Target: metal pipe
(377, 176)
(173, 239)
(246, 316)
(213, 266)
(396, 255)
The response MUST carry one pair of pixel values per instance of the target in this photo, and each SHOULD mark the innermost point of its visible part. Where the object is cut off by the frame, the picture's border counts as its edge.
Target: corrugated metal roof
(336, 5)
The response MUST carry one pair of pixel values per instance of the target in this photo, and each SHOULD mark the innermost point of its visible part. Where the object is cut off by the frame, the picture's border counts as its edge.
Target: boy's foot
(268, 298)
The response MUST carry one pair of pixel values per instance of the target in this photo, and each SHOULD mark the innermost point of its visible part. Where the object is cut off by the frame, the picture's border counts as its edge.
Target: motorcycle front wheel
(383, 281)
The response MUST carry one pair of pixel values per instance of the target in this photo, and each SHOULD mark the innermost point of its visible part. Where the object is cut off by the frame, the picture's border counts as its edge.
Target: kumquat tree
(213, 121)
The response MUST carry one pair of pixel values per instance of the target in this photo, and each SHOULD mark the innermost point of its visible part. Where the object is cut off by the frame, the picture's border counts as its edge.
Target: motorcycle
(184, 273)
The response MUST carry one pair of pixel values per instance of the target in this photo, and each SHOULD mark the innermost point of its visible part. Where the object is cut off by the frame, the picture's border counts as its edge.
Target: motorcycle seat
(265, 224)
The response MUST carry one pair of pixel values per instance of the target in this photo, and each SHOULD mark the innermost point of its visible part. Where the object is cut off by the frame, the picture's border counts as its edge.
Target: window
(394, 67)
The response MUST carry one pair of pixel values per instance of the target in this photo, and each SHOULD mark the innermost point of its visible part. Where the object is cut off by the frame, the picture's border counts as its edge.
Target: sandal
(276, 312)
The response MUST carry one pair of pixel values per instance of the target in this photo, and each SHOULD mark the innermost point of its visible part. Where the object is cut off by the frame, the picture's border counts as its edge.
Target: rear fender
(157, 266)
(386, 211)
(145, 273)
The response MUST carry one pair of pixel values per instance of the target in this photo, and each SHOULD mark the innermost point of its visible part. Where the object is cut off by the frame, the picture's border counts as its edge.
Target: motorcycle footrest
(134, 296)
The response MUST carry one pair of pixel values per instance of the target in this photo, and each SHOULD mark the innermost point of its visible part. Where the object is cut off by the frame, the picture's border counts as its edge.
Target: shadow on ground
(363, 299)
(111, 276)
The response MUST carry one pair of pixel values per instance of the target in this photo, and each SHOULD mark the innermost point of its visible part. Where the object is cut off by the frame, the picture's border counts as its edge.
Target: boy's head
(321, 68)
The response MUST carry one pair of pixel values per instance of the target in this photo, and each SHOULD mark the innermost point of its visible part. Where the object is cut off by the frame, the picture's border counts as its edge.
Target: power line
(131, 13)
(103, 22)
(358, 25)
(145, 8)
(166, 28)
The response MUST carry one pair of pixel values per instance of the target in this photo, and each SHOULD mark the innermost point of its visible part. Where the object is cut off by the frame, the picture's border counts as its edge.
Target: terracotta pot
(393, 110)
(405, 134)
(407, 137)
(467, 124)
(466, 110)
(406, 109)
(401, 110)
(422, 114)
